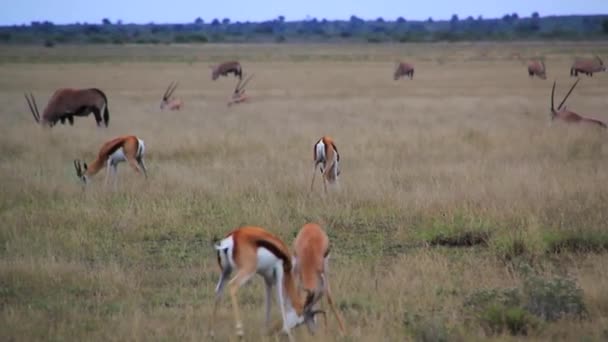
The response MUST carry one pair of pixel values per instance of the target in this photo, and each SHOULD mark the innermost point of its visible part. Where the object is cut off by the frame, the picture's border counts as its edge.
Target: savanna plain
(462, 212)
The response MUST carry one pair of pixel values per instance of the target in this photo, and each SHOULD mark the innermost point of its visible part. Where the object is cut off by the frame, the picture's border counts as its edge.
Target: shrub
(552, 299)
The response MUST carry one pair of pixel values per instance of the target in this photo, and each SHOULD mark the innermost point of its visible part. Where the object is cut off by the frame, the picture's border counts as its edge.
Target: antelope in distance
(568, 115)
(67, 103)
(537, 68)
(587, 66)
(238, 95)
(404, 69)
(249, 250)
(325, 155)
(311, 256)
(126, 148)
(170, 102)
(225, 68)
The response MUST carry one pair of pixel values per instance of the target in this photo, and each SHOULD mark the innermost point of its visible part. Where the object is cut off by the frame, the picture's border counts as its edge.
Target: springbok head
(31, 102)
(215, 71)
(238, 95)
(310, 313)
(559, 108)
(601, 62)
(167, 96)
(80, 172)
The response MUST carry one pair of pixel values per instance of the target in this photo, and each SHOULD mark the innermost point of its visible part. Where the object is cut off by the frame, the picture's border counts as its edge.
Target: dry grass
(466, 147)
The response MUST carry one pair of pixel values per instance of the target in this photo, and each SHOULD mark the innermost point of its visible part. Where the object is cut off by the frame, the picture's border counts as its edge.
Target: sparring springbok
(67, 103)
(537, 68)
(225, 68)
(568, 115)
(325, 155)
(311, 255)
(403, 69)
(238, 95)
(587, 66)
(249, 250)
(126, 148)
(170, 102)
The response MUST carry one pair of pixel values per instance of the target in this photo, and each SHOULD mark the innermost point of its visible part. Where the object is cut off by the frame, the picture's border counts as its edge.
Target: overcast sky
(182, 11)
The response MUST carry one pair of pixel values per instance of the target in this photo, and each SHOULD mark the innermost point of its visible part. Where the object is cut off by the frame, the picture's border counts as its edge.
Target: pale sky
(183, 11)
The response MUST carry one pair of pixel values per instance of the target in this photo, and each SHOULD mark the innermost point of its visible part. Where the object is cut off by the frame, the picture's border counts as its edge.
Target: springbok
(249, 250)
(568, 115)
(126, 148)
(587, 66)
(238, 95)
(225, 68)
(403, 69)
(311, 255)
(325, 155)
(537, 68)
(170, 102)
(67, 103)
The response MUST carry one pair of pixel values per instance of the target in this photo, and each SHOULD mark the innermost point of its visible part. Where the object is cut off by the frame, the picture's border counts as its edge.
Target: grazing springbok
(537, 68)
(67, 103)
(325, 154)
(404, 69)
(126, 148)
(568, 115)
(170, 102)
(225, 68)
(238, 95)
(311, 255)
(587, 66)
(250, 250)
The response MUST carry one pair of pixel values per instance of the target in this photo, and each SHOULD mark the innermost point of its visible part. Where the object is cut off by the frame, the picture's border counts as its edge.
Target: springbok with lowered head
(327, 158)
(67, 103)
(170, 102)
(249, 250)
(126, 148)
(568, 115)
(587, 66)
(403, 69)
(223, 69)
(537, 68)
(238, 95)
(311, 256)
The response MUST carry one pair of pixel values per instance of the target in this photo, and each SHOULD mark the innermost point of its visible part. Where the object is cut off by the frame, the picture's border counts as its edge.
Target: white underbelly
(118, 156)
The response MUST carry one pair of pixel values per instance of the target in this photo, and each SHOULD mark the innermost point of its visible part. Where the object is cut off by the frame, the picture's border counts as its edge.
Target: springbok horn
(317, 312)
(31, 108)
(245, 82)
(599, 59)
(569, 92)
(172, 89)
(552, 95)
(167, 91)
(35, 106)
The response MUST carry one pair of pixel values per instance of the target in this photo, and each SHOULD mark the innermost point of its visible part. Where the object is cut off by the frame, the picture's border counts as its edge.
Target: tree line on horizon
(509, 27)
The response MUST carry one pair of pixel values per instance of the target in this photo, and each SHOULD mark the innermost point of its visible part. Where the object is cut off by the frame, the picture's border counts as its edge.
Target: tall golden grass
(466, 146)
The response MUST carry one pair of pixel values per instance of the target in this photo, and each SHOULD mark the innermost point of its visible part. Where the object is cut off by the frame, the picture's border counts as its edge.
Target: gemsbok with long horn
(587, 66)
(126, 148)
(249, 250)
(238, 95)
(67, 103)
(170, 102)
(311, 257)
(327, 159)
(403, 69)
(226, 68)
(568, 115)
(537, 68)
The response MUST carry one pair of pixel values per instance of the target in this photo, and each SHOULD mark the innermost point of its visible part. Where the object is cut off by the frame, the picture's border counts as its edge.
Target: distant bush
(49, 43)
(520, 311)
